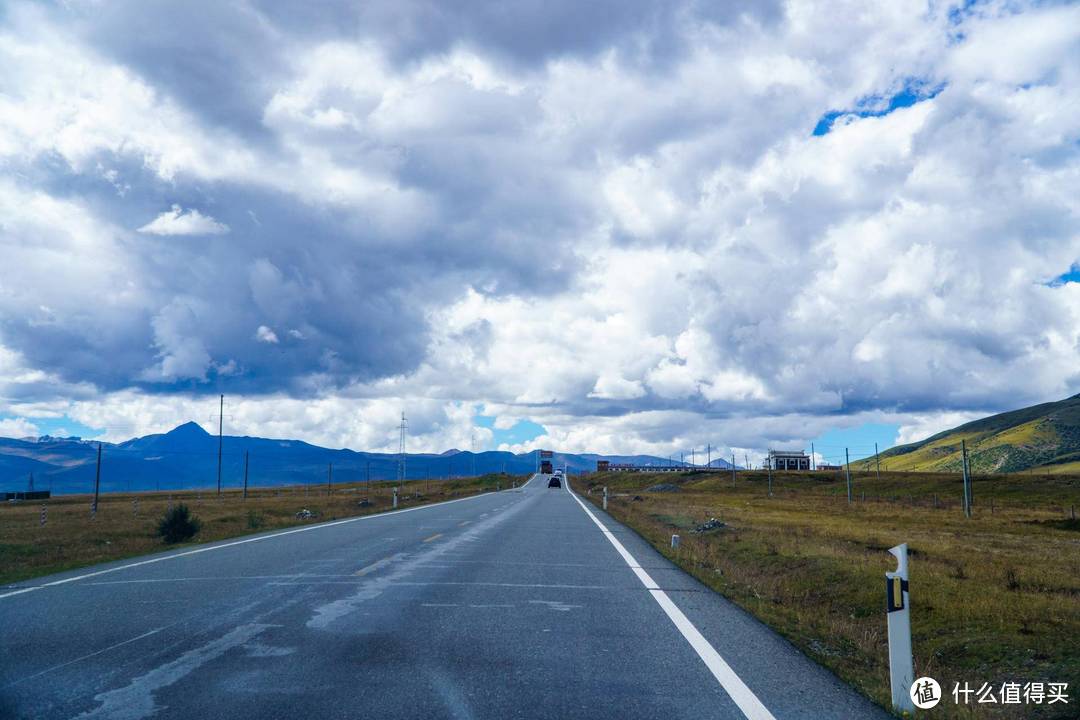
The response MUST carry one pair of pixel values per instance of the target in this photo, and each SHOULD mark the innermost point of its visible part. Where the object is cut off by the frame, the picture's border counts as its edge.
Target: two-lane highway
(526, 603)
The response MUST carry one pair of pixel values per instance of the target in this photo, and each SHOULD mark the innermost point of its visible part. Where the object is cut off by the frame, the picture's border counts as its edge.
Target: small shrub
(178, 524)
(254, 520)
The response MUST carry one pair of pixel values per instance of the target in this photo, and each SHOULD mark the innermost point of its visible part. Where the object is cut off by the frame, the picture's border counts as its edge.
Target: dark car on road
(554, 482)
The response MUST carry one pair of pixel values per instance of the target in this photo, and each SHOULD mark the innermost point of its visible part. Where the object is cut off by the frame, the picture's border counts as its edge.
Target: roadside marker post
(898, 612)
(44, 515)
(395, 498)
(675, 542)
(605, 497)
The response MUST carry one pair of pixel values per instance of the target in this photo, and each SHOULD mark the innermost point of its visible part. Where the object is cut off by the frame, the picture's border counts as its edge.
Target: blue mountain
(186, 457)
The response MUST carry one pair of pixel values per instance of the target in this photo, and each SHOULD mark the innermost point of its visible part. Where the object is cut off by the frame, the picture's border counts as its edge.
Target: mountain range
(186, 457)
(1045, 436)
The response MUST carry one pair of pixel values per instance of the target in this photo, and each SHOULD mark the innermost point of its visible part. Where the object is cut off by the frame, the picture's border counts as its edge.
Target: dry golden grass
(994, 598)
(71, 539)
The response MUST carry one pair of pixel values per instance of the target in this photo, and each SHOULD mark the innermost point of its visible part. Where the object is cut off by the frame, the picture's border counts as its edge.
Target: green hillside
(1043, 436)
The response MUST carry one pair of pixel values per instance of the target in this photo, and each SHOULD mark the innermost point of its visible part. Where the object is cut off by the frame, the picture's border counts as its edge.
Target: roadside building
(788, 460)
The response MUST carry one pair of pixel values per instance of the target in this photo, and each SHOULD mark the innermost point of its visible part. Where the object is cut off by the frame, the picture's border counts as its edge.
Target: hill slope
(1041, 436)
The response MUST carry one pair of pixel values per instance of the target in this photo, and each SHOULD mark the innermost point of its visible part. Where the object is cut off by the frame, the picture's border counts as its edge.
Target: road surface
(526, 603)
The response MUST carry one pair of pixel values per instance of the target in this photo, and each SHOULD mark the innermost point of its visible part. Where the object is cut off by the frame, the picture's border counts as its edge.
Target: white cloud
(18, 427)
(184, 222)
(640, 245)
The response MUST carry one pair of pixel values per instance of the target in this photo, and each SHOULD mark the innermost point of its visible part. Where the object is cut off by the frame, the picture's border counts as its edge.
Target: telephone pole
(97, 477)
(708, 456)
(847, 460)
(401, 450)
(877, 461)
(329, 478)
(245, 473)
(813, 460)
(221, 422)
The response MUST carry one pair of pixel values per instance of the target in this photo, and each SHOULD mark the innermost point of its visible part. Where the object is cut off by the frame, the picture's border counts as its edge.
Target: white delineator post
(395, 497)
(605, 497)
(898, 611)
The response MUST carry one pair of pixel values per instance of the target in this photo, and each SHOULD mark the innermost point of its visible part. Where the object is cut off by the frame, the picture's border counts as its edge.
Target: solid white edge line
(306, 528)
(733, 685)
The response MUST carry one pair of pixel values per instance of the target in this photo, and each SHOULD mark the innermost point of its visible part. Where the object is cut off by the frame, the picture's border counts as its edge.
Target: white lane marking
(87, 656)
(555, 605)
(378, 564)
(306, 528)
(136, 700)
(733, 685)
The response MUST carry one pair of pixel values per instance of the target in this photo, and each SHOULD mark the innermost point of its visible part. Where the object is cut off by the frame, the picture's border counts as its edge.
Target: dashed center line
(436, 536)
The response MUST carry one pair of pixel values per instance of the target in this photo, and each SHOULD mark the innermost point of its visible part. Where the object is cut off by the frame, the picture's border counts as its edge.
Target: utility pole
(732, 469)
(770, 478)
(329, 479)
(693, 458)
(472, 446)
(245, 473)
(708, 457)
(401, 450)
(847, 458)
(97, 478)
(813, 460)
(877, 461)
(746, 461)
(966, 478)
(221, 422)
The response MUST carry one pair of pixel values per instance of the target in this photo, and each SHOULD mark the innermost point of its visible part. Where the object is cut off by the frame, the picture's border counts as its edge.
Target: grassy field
(994, 598)
(126, 523)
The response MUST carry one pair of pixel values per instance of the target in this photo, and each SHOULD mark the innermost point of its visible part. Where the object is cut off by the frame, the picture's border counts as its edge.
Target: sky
(611, 227)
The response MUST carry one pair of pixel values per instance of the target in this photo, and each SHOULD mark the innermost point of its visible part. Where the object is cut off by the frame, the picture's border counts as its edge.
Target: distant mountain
(1042, 436)
(186, 457)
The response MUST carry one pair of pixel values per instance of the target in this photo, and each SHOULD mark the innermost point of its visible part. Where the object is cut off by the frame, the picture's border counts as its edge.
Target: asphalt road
(526, 603)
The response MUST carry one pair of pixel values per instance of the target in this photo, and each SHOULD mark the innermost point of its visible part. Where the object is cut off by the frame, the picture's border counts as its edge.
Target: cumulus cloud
(617, 223)
(18, 428)
(178, 221)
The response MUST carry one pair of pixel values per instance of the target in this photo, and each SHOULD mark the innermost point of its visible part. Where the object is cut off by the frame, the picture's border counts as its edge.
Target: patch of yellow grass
(122, 528)
(994, 598)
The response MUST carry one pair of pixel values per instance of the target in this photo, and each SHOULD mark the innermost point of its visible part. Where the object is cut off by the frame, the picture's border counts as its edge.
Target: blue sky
(615, 227)
(871, 106)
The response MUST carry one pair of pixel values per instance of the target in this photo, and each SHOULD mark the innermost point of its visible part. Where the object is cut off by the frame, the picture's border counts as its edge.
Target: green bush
(254, 520)
(178, 524)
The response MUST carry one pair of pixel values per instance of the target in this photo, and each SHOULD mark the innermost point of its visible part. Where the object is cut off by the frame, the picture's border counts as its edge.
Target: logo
(925, 693)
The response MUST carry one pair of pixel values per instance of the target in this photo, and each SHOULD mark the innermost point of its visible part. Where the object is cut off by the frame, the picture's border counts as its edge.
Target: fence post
(898, 612)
